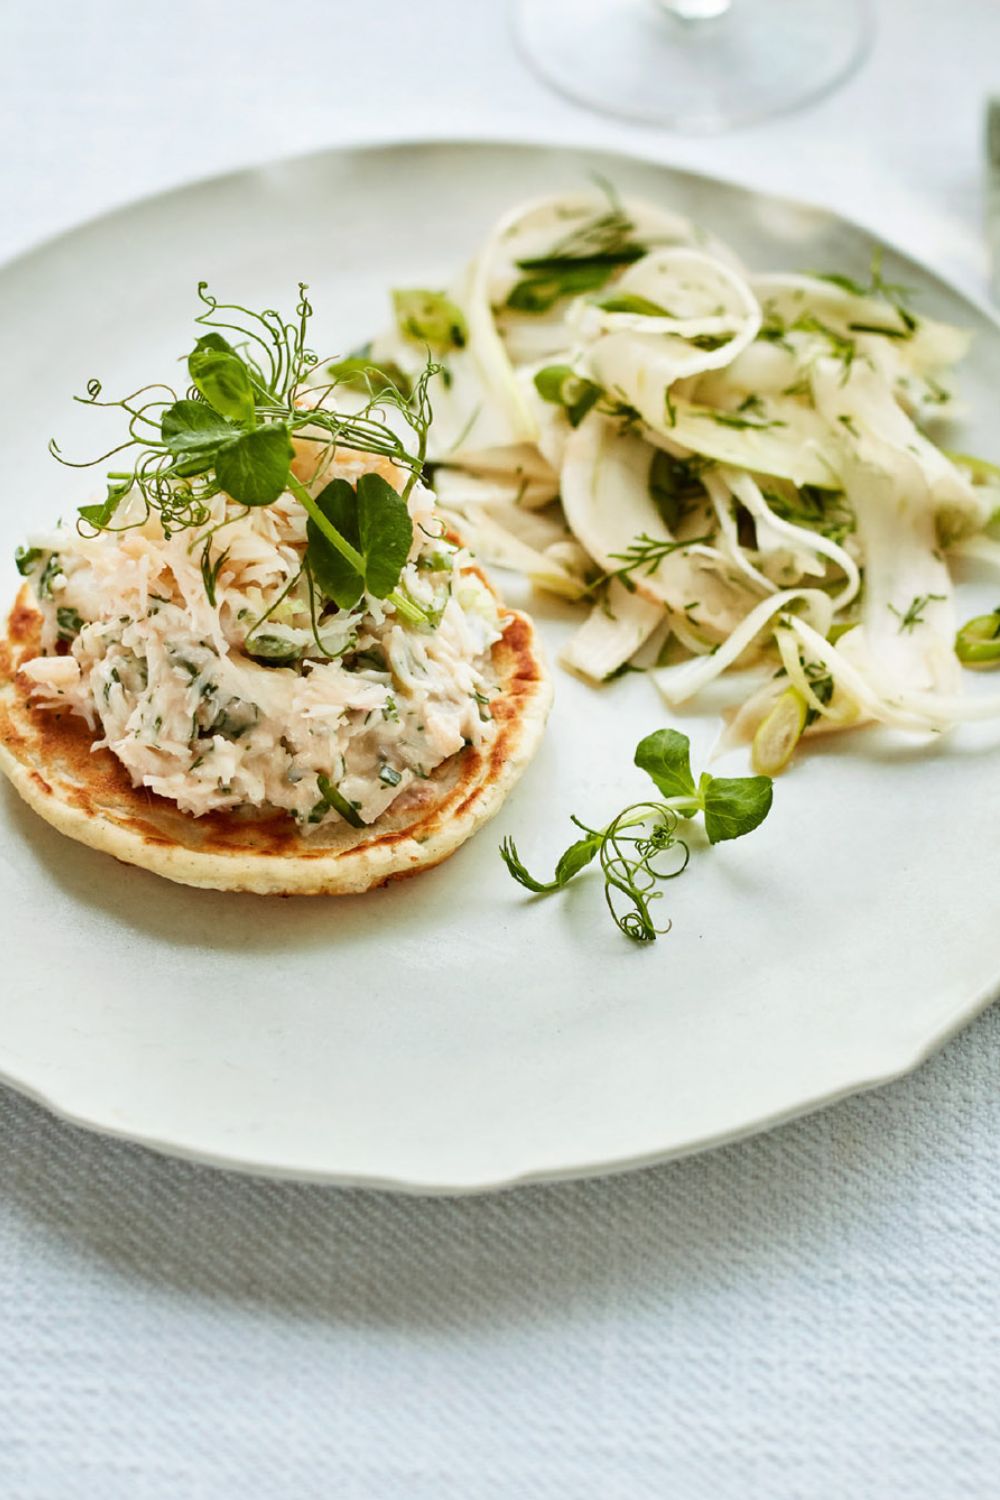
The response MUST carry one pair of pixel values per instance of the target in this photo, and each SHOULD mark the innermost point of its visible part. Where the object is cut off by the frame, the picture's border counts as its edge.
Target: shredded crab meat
(217, 708)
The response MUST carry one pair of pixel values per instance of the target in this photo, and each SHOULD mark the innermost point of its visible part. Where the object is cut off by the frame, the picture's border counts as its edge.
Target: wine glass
(694, 65)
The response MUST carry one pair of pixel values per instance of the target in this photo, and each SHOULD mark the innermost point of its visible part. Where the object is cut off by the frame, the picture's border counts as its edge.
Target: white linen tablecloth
(815, 1313)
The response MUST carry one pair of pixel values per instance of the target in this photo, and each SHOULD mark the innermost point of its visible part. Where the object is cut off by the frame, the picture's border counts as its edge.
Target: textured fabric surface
(812, 1314)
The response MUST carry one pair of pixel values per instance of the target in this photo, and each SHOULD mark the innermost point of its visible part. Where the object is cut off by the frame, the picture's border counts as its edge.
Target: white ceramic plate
(446, 1034)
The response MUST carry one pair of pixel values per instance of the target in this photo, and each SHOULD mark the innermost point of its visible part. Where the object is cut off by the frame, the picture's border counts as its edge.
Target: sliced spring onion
(779, 733)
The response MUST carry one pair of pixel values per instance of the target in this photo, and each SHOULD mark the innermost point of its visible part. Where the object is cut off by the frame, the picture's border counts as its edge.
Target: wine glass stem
(696, 10)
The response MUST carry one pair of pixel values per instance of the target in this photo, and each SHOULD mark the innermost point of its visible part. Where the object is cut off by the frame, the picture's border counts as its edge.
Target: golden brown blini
(87, 794)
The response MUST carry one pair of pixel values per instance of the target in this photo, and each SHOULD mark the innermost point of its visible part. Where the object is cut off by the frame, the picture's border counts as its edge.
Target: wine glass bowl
(698, 66)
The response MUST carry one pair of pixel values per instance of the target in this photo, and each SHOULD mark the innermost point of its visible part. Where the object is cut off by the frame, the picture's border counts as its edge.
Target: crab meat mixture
(216, 679)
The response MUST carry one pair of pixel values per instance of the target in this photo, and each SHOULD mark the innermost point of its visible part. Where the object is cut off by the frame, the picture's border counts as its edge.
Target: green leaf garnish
(430, 319)
(751, 413)
(734, 806)
(886, 333)
(192, 429)
(359, 373)
(375, 522)
(254, 468)
(665, 756)
(233, 435)
(224, 382)
(386, 533)
(631, 849)
(101, 516)
(644, 555)
(340, 578)
(571, 862)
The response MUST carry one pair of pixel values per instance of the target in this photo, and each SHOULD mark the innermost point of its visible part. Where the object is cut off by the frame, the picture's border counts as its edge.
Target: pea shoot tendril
(639, 849)
(230, 432)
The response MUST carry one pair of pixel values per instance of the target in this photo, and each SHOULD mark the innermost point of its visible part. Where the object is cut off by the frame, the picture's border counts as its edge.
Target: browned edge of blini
(86, 793)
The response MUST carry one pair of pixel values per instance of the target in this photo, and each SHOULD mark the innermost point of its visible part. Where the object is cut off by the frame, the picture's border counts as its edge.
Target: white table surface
(815, 1313)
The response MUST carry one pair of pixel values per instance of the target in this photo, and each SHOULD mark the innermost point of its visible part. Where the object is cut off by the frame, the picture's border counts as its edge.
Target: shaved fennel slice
(551, 420)
(541, 529)
(739, 725)
(898, 483)
(494, 544)
(678, 684)
(944, 710)
(700, 297)
(850, 676)
(842, 712)
(522, 460)
(607, 504)
(486, 347)
(538, 337)
(929, 346)
(747, 491)
(605, 490)
(761, 369)
(984, 478)
(539, 229)
(485, 404)
(862, 408)
(913, 710)
(477, 401)
(977, 549)
(532, 338)
(458, 488)
(906, 608)
(637, 359)
(719, 492)
(612, 633)
(793, 443)
(689, 636)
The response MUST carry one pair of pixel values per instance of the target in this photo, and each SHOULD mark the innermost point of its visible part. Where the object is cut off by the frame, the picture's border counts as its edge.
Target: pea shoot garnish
(231, 432)
(639, 849)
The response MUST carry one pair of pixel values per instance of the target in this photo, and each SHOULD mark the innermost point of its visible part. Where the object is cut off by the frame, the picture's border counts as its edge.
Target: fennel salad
(732, 471)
